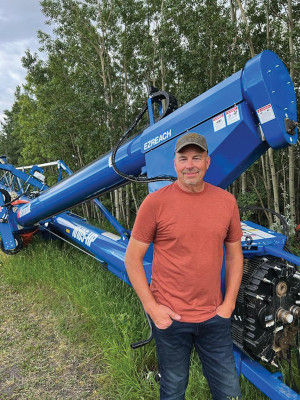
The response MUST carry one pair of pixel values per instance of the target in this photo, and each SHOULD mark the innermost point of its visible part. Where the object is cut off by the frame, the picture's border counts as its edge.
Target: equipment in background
(241, 117)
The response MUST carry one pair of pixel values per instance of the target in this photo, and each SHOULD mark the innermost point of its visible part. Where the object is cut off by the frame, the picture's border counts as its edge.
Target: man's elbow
(132, 260)
(127, 260)
(135, 253)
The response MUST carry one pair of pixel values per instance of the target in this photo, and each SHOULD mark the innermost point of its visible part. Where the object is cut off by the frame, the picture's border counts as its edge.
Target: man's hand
(163, 316)
(225, 310)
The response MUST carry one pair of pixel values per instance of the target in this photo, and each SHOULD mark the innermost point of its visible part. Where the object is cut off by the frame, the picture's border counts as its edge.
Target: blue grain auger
(241, 117)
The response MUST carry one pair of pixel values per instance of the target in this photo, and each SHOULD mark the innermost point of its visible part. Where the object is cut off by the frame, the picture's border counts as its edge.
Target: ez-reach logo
(23, 211)
(157, 139)
(84, 235)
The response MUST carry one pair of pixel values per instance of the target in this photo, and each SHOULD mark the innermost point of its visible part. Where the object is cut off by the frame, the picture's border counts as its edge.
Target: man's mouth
(190, 173)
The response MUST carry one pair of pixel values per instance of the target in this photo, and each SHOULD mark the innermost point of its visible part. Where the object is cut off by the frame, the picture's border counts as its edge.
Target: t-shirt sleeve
(144, 227)
(234, 232)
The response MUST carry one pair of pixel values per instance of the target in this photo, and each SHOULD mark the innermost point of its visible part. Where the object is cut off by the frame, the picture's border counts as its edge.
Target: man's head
(191, 160)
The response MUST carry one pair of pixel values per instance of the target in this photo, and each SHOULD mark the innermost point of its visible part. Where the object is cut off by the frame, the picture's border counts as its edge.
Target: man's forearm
(161, 315)
(234, 274)
(137, 276)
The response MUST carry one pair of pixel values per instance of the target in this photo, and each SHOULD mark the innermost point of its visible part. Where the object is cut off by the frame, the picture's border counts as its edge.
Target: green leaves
(91, 81)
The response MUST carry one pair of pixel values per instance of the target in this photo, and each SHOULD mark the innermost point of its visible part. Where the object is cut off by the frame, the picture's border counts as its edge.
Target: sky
(19, 22)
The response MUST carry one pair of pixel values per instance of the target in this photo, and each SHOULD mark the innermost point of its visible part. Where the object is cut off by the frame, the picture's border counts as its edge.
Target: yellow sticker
(68, 230)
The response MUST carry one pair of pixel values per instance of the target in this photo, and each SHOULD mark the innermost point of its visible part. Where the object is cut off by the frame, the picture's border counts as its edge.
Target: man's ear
(207, 162)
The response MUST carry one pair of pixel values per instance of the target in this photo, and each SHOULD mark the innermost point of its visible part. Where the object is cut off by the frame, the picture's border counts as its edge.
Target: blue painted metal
(35, 168)
(240, 118)
(125, 234)
(267, 81)
(150, 112)
(6, 227)
(27, 179)
(264, 242)
(111, 249)
(274, 251)
(225, 114)
(114, 222)
(85, 184)
(151, 109)
(268, 383)
(8, 223)
(105, 246)
(62, 165)
(262, 236)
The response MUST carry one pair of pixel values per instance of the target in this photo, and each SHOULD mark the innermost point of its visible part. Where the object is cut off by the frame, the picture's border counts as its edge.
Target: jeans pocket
(164, 329)
(223, 318)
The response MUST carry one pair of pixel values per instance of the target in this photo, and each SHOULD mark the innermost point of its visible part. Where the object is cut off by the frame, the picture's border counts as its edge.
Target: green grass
(111, 318)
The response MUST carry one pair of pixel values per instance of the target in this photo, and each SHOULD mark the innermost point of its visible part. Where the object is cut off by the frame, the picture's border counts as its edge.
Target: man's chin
(191, 181)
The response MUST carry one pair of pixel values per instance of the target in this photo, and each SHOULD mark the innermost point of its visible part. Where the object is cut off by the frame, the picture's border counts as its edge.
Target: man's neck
(191, 188)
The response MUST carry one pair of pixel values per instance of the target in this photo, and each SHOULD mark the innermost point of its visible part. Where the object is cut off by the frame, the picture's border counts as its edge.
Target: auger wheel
(19, 246)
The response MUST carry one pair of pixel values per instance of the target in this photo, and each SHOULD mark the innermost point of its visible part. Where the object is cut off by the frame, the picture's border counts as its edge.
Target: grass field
(94, 317)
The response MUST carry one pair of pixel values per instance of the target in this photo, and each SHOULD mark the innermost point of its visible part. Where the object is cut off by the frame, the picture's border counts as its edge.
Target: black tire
(6, 196)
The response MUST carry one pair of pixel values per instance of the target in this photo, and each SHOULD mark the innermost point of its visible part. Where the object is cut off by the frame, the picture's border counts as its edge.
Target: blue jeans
(213, 343)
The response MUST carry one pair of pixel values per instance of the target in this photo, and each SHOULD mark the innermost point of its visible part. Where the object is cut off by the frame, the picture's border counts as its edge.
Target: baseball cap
(191, 138)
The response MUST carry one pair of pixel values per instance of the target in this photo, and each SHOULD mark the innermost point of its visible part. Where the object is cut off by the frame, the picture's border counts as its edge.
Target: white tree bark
(291, 157)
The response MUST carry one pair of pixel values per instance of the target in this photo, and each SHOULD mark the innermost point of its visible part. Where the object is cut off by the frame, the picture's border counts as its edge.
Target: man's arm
(234, 273)
(161, 315)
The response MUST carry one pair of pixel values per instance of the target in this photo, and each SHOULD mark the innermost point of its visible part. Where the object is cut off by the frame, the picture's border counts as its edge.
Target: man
(188, 222)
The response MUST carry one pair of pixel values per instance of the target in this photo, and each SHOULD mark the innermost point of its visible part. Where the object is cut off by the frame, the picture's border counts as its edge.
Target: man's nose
(189, 163)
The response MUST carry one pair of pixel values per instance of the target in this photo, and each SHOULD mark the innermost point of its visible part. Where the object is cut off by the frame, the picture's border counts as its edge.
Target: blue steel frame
(110, 249)
(240, 117)
(245, 132)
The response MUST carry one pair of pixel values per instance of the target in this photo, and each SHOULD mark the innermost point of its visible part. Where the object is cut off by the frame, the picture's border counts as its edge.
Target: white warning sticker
(23, 211)
(232, 115)
(265, 113)
(219, 122)
(111, 235)
(254, 233)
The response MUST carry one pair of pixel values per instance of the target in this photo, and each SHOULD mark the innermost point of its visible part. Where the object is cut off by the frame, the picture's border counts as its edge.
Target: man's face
(191, 164)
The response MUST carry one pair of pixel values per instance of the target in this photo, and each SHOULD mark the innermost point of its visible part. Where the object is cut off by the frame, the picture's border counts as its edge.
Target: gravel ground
(39, 361)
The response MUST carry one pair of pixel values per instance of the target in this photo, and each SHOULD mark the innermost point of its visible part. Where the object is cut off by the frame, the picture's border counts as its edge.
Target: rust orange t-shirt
(188, 231)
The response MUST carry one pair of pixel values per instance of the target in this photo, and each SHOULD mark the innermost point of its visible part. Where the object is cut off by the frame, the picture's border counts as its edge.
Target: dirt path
(38, 361)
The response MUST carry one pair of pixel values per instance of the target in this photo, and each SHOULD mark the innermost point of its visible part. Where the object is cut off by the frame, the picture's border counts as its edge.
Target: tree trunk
(243, 14)
(254, 185)
(283, 185)
(211, 62)
(266, 179)
(127, 206)
(134, 198)
(111, 197)
(234, 191)
(121, 205)
(162, 66)
(233, 18)
(266, 174)
(274, 181)
(291, 157)
(116, 200)
(267, 23)
(244, 182)
(243, 177)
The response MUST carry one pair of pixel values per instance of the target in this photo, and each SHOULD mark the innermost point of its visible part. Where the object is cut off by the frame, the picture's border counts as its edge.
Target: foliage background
(79, 99)
(102, 56)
